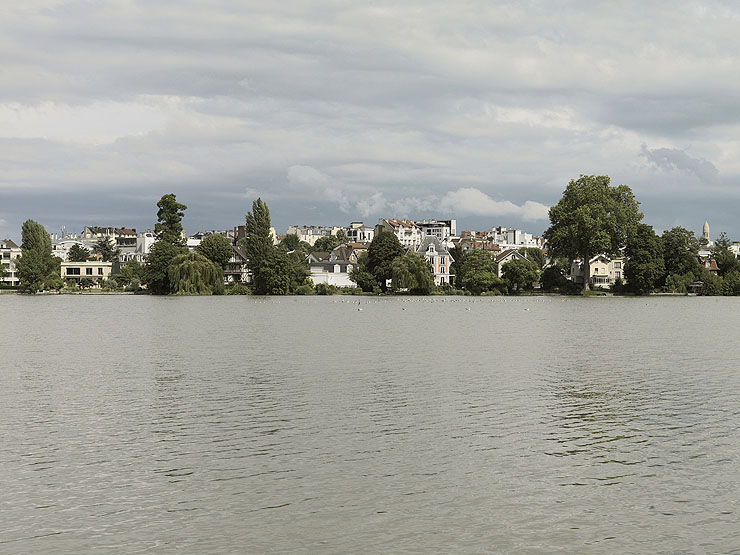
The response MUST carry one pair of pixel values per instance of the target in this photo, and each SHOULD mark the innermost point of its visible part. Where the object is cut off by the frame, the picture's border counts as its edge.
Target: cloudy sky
(334, 111)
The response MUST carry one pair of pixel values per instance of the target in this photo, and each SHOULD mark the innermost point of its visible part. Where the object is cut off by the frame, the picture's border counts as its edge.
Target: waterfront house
(507, 256)
(604, 271)
(9, 252)
(96, 270)
(438, 257)
(237, 269)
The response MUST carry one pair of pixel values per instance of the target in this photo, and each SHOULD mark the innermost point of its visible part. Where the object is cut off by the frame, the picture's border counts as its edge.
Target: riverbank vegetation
(592, 218)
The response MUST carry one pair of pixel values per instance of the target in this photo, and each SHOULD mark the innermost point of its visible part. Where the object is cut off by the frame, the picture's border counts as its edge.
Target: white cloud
(468, 200)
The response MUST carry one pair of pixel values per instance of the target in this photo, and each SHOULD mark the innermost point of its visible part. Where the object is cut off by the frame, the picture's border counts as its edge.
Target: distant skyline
(338, 111)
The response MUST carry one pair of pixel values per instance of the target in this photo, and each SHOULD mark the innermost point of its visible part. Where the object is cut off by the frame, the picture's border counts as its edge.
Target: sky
(336, 111)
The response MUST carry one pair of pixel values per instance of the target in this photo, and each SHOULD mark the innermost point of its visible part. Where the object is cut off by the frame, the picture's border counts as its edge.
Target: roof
(431, 240)
(399, 223)
(329, 266)
(319, 256)
(8, 244)
(510, 253)
(357, 246)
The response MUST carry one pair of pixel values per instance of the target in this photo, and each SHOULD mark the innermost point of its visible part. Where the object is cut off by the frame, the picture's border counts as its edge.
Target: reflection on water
(239, 425)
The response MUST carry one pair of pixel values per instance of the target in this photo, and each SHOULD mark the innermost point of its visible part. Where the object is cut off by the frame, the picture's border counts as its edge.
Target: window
(73, 271)
(618, 265)
(88, 271)
(100, 271)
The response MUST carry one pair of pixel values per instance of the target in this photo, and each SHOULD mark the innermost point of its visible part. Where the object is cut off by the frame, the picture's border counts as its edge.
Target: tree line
(592, 218)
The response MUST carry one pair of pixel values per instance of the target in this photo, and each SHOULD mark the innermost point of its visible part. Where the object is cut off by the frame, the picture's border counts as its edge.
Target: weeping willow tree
(194, 274)
(412, 272)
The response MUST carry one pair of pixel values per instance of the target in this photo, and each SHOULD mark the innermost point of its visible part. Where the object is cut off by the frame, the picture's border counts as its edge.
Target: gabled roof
(399, 223)
(432, 240)
(510, 253)
(319, 256)
(342, 252)
(8, 244)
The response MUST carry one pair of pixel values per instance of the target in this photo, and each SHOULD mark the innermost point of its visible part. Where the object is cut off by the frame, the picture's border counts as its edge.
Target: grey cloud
(674, 159)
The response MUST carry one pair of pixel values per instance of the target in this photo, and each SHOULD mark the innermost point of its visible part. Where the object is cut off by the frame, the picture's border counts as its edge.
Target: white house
(408, 233)
(358, 232)
(9, 252)
(604, 271)
(95, 270)
(507, 256)
(331, 273)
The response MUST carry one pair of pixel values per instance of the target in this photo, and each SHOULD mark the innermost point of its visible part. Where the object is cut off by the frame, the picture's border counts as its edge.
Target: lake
(135, 424)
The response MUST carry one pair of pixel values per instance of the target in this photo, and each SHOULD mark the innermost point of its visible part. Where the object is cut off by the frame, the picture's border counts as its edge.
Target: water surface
(416, 425)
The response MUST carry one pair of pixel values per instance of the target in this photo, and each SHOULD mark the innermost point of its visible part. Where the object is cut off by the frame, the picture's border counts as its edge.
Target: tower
(705, 233)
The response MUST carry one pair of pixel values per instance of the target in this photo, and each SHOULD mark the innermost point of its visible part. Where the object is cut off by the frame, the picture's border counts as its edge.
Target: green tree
(478, 272)
(361, 276)
(274, 275)
(644, 268)
(291, 242)
(86, 283)
(676, 283)
(731, 283)
(592, 218)
(37, 268)
(216, 248)
(326, 243)
(519, 274)
(108, 251)
(258, 240)
(534, 255)
(78, 254)
(194, 274)
(299, 275)
(155, 274)
(412, 272)
(169, 220)
(168, 245)
(129, 272)
(680, 252)
(726, 260)
(458, 256)
(713, 285)
(383, 250)
(342, 236)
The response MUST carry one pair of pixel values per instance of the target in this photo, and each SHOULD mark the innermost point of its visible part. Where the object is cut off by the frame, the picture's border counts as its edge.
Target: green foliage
(592, 218)
(304, 289)
(37, 268)
(86, 283)
(291, 242)
(326, 289)
(458, 257)
(712, 284)
(478, 273)
(731, 283)
(78, 254)
(554, 278)
(155, 273)
(644, 268)
(216, 248)
(129, 272)
(342, 236)
(412, 272)
(519, 274)
(534, 255)
(383, 250)
(677, 283)
(258, 240)
(680, 252)
(107, 250)
(169, 216)
(361, 276)
(326, 244)
(299, 275)
(239, 289)
(274, 274)
(726, 260)
(194, 274)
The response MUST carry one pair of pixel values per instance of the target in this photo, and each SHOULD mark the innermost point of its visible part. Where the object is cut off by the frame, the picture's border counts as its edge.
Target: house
(319, 256)
(438, 257)
(507, 256)
(122, 237)
(358, 232)
(9, 252)
(710, 264)
(95, 270)
(236, 269)
(311, 234)
(511, 238)
(346, 253)
(332, 273)
(604, 271)
(408, 233)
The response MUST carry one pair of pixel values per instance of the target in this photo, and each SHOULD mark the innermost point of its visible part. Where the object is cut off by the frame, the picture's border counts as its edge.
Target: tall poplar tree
(37, 268)
(259, 246)
(168, 245)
